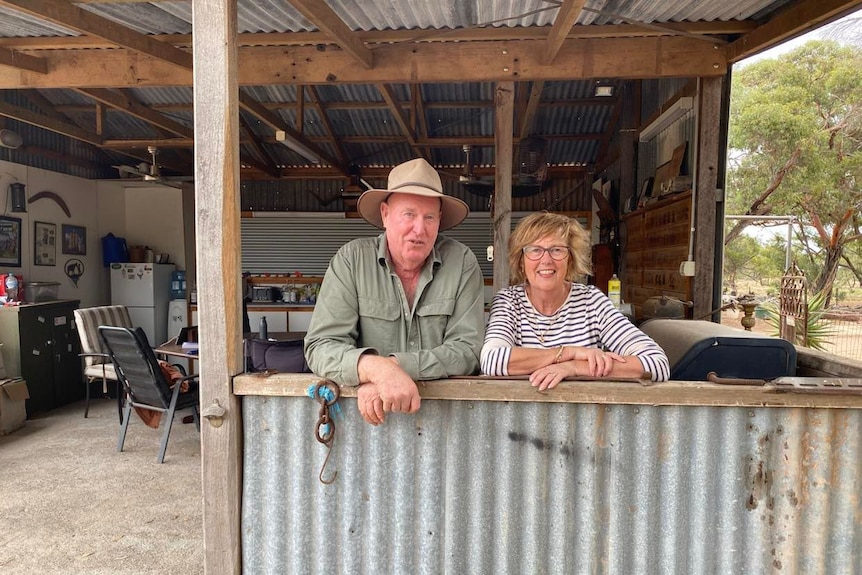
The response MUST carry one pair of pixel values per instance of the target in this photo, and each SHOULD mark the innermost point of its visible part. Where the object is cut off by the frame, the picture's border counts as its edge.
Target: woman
(549, 326)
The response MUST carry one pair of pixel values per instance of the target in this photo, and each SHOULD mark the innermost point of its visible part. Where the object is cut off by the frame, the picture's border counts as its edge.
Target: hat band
(417, 184)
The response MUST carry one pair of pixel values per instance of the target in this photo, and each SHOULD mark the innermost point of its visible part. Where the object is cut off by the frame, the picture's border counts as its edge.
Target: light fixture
(297, 146)
(604, 91)
(10, 139)
(676, 111)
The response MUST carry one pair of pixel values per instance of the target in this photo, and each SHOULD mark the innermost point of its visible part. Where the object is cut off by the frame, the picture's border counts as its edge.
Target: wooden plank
(601, 392)
(134, 108)
(398, 63)
(333, 26)
(35, 119)
(504, 126)
(709, 158)
(400, 36)
(567, 15)
(68, 15)
(218, 276)
(24, 61)
(798, 18)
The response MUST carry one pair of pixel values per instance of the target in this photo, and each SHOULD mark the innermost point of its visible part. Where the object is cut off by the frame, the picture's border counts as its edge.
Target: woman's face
(546, 272)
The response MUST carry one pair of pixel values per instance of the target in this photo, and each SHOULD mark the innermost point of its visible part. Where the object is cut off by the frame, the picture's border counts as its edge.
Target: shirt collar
(383, 254)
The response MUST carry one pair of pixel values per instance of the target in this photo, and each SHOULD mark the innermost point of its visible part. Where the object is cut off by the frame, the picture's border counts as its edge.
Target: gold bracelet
(559, 355)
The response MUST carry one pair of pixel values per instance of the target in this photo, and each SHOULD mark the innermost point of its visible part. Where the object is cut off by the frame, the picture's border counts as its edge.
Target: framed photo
(44, 244)
(10, 242)
(74, 240)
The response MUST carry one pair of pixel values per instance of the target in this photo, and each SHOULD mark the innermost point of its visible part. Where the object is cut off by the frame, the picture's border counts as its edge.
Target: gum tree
(796, 136)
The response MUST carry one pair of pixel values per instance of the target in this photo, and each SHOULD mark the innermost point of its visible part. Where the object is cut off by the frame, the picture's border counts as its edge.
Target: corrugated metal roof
(509, 487)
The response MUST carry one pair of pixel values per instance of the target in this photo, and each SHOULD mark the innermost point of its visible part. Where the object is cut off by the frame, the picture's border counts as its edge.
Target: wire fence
(843, 334)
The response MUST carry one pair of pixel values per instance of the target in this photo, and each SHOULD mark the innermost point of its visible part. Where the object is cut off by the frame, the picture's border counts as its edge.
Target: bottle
(614, 290)
(11, 283)
(262, 330)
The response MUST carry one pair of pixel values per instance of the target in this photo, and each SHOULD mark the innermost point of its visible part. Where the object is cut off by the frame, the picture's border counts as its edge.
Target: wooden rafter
(529, 118)
(374, 37)
(403, 122)
(68, 15)
(800, 17)
(268, 164)
(48, 123)
(566, 17)
(273, 121)
(419, 118)
(128, 104)
(15, 59)
(327, 125)
(322, 16)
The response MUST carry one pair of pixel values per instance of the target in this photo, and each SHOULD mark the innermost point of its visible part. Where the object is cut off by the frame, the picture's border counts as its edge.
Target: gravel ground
(71, 504)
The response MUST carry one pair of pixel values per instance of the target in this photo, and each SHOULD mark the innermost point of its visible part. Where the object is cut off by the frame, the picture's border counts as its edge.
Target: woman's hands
(575, 361)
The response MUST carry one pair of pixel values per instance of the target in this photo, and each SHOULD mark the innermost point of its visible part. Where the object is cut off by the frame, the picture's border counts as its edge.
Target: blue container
(114, 250)
(178, 284)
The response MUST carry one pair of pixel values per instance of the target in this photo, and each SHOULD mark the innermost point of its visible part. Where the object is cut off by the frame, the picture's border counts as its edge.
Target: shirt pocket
(433, 318)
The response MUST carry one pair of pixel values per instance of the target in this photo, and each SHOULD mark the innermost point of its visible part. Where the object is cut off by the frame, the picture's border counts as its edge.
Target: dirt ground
(71, 504)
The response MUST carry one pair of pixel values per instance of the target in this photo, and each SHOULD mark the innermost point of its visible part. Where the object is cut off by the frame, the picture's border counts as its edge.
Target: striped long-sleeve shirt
(586, 319)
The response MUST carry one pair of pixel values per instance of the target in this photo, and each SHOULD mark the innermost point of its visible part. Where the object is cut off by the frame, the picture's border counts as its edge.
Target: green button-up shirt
(362, 308)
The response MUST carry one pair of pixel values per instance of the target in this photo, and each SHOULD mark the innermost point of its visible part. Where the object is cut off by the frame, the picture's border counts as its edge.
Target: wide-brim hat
(419, 178)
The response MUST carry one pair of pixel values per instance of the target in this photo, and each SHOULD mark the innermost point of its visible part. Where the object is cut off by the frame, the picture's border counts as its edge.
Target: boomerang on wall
(51, 196)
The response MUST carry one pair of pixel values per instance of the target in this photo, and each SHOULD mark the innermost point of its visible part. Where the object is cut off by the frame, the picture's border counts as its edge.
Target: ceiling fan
(529, 180)
(150, 172)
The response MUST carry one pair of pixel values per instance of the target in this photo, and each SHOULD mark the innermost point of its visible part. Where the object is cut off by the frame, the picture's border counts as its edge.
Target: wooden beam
(705, 210)
(504, 125)
(322, 16)
(419, 118)
(218, 272)
(374, 37)
(268, 164)
(253, 107)
(54, 125)
(15, 59)
(529, 118)
(801, 17)
(566, 17)
(636, 58)
(398, 113)
(126, 103)
(70, 16)
(299, 121)
(327, 125)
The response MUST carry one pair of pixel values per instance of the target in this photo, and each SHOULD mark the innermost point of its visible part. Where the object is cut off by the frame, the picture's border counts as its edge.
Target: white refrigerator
(145, 289)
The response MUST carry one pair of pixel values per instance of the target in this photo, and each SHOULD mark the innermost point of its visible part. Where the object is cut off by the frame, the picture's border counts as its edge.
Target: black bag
(283, 356)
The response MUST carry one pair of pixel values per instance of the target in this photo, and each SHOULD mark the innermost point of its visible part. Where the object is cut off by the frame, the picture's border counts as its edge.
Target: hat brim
(454, 210)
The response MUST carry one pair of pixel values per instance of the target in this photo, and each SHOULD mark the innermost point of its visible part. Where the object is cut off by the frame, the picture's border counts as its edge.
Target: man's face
(411, 224)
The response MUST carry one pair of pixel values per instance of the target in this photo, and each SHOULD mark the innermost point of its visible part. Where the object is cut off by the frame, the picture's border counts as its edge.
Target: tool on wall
(51, 196)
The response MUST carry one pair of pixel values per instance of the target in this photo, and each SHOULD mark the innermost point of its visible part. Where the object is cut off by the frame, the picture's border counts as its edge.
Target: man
(405, 306)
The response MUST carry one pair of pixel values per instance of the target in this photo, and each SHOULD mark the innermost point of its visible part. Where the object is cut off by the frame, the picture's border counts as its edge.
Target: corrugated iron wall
(498, 487)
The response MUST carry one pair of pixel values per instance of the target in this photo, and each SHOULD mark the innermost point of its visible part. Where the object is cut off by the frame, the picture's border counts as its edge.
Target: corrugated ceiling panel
(280, 243)
(511, 487)
(143, 17)
(14, 24)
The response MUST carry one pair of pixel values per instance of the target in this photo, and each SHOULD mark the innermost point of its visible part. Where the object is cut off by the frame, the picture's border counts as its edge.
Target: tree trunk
(829, 271)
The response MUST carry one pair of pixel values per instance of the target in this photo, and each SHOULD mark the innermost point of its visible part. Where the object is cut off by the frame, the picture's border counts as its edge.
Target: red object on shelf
(20, 294)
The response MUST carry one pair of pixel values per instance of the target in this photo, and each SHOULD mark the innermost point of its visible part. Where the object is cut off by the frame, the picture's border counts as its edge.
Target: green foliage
(796, 125)
(819, 330)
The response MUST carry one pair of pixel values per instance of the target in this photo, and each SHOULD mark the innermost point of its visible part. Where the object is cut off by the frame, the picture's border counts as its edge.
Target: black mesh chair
(145, 384)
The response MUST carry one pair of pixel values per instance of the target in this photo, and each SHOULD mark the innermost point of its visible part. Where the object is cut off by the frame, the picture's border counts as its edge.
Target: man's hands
(385, 388)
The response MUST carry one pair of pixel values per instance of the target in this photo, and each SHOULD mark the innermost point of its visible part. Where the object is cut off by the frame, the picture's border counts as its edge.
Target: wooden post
(504, 122)
(218, 255)
(709, 120)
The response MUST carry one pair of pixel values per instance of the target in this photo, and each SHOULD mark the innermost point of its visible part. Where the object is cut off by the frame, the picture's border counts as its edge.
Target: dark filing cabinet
(40, 344)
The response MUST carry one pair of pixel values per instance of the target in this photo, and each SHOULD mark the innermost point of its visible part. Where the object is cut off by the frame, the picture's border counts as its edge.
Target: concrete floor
(71, 504)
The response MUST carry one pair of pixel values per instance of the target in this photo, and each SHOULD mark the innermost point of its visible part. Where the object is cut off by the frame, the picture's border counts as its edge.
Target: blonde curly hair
(542, 224)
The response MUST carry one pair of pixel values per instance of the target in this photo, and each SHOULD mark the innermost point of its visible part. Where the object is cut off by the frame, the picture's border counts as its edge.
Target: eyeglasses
(535, 253)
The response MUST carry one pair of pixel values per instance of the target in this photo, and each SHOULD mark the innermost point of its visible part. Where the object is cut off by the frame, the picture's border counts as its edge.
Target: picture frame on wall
(10, 242)
(74, 240)
(44, 244)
